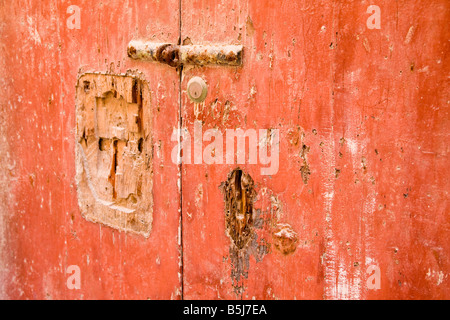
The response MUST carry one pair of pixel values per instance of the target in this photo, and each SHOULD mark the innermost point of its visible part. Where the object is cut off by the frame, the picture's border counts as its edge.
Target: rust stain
(168, 54)
(131, 51)
(252, 224)
(239, 195)
(285, 239)
(296, 137)
(337, 172)
(242, 221)
(304, 169)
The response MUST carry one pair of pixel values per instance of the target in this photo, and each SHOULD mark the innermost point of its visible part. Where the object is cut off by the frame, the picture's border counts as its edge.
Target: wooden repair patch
(113, 151)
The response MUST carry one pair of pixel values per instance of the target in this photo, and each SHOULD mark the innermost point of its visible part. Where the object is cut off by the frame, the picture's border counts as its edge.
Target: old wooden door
(346, 103)
(362, 115)
(47, 64)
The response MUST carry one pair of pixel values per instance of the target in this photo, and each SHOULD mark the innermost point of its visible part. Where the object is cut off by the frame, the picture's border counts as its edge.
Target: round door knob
(197, 89)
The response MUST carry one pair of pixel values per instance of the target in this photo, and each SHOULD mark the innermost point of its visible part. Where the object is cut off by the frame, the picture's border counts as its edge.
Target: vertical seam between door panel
(180, 120)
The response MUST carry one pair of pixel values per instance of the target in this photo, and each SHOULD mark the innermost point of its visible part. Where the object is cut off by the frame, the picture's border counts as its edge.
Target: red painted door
(44, 57)
(362, 116)
(339, 190)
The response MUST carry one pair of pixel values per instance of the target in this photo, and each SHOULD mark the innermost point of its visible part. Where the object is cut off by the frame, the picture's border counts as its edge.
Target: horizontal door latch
(177, 55)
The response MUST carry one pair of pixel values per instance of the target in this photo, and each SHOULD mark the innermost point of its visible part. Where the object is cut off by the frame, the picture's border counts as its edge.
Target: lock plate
(197, 89)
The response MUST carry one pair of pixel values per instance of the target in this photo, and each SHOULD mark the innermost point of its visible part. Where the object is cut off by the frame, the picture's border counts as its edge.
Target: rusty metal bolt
(197, 89)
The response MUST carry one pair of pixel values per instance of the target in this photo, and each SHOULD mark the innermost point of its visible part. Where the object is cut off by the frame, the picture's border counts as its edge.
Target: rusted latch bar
(176, 55)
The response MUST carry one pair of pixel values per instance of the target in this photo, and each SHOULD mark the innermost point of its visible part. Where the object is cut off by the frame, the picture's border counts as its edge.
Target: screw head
(197, 89)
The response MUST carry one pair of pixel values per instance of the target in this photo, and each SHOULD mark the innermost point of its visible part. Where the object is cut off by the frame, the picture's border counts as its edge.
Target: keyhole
(197, 89)
(238, 196)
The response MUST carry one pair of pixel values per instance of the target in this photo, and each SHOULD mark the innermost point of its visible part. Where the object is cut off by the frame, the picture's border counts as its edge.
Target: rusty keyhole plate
(239, 196)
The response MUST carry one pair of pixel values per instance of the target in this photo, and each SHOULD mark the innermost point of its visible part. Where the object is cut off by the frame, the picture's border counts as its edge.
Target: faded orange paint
(362, 116)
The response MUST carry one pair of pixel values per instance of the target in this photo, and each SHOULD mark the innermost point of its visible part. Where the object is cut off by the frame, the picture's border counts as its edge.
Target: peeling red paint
(363, 121)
